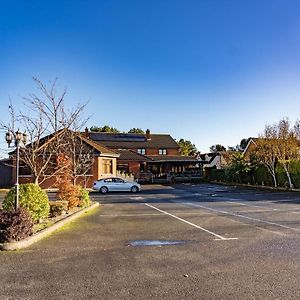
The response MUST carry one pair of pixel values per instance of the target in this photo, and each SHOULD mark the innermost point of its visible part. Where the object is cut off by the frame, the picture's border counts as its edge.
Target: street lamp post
(19, 140)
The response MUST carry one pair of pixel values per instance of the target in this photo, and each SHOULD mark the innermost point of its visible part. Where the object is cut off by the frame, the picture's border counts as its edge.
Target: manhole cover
(138, 243)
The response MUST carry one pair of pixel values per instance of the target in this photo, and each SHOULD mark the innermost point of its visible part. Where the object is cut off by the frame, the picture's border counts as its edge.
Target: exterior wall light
(19, 139)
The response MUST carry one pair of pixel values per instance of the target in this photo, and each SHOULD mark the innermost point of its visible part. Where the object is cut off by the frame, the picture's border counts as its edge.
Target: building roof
(251, 141)
(174, 158)
(211, 156)
(102, 149)
(5, 159)
(226, 156)
(130, 155)
(133, 140)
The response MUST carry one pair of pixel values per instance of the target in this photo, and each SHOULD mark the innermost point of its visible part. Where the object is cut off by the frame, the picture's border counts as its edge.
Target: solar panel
(118, 137)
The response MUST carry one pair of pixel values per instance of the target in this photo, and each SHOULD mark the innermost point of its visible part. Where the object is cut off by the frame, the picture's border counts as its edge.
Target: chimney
(148, 135)
(86, 132)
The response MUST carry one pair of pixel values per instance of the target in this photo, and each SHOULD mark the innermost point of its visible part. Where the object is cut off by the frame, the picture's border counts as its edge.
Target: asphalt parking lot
(186, 241)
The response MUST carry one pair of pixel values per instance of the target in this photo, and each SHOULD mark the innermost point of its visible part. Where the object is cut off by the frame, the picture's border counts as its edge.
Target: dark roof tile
(102, 149)
(132, 156)
(130, 140)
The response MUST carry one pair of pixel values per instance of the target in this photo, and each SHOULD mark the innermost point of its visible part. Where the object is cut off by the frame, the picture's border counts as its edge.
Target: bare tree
(296, 129)
(267, 149)
(278, 145)
(288, 149)
(81, 155)
(46, 122)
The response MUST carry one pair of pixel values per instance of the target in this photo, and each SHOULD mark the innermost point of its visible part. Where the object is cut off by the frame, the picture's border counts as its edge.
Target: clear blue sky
(211, 71)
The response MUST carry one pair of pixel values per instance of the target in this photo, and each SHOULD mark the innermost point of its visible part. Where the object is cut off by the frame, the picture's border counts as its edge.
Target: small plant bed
(37, 216)
(55, 218)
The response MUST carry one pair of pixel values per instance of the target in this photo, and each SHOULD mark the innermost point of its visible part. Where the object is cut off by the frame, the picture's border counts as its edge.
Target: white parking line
(250, 205)
(238, 215)
(157, 215)
(219, 237)
(267, 208)
(130, 215)
(137, 198)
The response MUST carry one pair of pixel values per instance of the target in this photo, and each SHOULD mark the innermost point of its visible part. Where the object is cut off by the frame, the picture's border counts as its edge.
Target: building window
(141, 151)
(107, 166)
(162, 151)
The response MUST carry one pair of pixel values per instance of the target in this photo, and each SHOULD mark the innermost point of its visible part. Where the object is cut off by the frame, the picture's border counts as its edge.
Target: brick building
(157, 153)
(103, 163)
(119, 153)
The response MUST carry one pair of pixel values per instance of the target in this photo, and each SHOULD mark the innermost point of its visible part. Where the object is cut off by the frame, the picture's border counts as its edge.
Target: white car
(115, 184)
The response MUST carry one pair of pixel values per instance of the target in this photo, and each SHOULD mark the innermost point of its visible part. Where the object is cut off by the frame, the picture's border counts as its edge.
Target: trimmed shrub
(84, 198)
(15, 225)
(70, 193)
(31, 197)
(57, 208)
(75, 195)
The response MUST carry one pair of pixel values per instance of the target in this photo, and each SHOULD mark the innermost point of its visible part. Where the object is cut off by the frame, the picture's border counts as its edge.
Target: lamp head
(19, 136)
(24, 138)
(9, 137)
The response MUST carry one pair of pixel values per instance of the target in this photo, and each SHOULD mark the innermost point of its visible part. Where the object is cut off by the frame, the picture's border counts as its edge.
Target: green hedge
(31, 197)
(295, 170)
(85, 200)
(262, 176)
(257, 176)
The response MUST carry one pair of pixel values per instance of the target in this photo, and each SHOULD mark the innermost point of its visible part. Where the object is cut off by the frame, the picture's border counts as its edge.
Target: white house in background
(210, 160)
(216, 160)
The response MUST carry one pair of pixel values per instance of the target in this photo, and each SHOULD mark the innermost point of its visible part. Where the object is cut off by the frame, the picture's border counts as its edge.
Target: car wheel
(134, 189)
(104, 190)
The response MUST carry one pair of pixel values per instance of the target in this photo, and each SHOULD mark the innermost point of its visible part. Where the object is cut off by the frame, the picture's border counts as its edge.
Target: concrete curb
(45, 232)
(259, 187)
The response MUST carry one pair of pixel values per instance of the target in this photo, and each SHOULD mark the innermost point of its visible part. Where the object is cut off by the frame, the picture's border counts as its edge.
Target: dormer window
(141, 151)
(162, 151)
